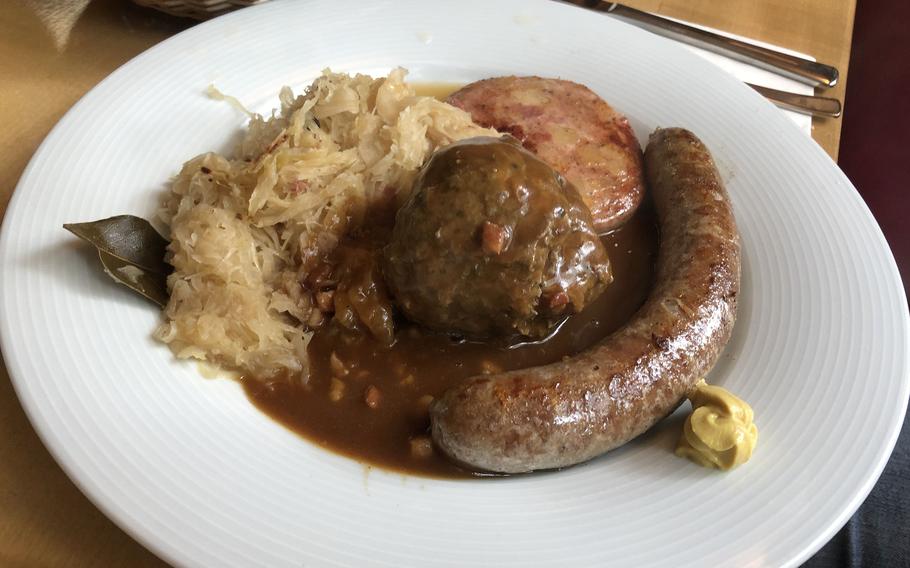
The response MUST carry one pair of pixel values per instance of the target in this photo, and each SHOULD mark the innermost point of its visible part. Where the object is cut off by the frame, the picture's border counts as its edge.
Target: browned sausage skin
(569, 412)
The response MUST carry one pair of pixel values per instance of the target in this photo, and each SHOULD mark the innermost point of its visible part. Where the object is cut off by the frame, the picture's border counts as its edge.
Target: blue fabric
(879, 532)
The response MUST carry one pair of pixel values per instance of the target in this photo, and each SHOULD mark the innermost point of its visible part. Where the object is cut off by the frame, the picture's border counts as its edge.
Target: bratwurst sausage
(571, 411)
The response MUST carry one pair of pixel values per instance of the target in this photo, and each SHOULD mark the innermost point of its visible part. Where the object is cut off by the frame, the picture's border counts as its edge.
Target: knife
(797, 68)
(806, 104)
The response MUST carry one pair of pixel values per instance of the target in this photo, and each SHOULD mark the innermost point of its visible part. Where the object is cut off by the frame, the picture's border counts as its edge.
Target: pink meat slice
(571, 128)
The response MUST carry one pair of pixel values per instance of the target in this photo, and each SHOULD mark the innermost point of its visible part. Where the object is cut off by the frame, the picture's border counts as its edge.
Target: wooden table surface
(44, 519)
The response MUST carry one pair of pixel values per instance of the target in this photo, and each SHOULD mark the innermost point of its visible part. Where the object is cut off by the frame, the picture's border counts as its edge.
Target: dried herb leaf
(129, 238)
(131, 252)
(152, 285)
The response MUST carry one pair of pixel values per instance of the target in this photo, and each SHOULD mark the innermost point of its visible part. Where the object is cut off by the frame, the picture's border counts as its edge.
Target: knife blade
(797, 68)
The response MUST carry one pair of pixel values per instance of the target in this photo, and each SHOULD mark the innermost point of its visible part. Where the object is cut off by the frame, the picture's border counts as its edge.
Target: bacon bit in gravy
(494, 238)
(325, 301)
(424, 402)
(336, 389)
(320, 277)
(372, 396)
(557, 301)
(421, 447)
(316, 319)
(338, 368)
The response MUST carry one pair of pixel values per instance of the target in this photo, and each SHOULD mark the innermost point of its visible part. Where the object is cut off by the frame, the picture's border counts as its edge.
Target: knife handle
(806, 104)
(797, 68)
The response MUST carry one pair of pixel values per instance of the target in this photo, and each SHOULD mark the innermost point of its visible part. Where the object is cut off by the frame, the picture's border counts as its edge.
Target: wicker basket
(198, 9)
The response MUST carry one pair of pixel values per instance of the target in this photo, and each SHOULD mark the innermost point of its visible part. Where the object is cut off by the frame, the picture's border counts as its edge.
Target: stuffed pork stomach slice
(573, 130)
(493, 242)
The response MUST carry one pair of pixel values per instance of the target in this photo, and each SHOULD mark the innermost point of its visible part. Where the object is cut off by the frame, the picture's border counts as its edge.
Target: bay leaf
(131, 252)
(152, 285)
(127, 237)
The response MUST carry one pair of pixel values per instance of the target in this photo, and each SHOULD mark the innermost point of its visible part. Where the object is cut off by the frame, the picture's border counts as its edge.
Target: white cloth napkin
(756, 76)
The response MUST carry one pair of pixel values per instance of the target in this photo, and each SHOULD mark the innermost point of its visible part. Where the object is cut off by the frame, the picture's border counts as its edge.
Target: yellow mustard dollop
(719, 432)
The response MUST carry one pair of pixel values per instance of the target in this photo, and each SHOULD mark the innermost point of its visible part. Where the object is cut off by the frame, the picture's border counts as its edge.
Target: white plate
(192, 470)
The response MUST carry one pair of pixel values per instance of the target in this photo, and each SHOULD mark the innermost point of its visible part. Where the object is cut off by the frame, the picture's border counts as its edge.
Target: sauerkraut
(246, 231)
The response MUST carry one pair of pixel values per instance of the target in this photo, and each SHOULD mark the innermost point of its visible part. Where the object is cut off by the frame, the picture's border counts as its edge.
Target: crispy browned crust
(569, 412)
(572, 129)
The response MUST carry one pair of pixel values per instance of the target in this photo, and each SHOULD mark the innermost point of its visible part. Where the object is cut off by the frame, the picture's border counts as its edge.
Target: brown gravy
(379, 415)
